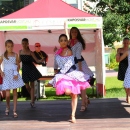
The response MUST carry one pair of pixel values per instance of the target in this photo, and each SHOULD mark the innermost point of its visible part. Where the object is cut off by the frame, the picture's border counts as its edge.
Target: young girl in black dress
(29, 71)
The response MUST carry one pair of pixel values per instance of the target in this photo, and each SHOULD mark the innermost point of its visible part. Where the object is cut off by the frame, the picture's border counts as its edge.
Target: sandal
(7, 111)
(72, 120)
(87, 101)
(15, 115)
(32, 104)
(83, 108)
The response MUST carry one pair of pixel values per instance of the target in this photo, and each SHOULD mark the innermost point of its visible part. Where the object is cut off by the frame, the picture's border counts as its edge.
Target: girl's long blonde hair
(6, 53)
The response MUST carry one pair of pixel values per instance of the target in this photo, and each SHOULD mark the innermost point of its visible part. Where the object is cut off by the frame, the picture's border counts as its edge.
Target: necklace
(40, 54)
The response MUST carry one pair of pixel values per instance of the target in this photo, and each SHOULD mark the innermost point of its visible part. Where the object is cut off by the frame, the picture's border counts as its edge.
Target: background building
(10, 6)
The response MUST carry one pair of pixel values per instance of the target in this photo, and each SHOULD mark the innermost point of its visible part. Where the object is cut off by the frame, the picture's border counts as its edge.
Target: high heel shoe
(7, 111)
(85, 105)
(15, 115)
(83, 108)
(32, 104)
(72, 120)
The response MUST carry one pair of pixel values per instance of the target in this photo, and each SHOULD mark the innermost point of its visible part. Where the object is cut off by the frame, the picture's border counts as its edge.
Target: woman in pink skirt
(67, 79)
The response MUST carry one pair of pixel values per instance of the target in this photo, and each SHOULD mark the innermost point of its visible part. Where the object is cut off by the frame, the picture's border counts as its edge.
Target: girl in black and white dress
(11, 77)
(77, 45)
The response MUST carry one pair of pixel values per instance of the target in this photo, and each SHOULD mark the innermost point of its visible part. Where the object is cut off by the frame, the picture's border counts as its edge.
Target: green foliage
(113, 64)
(116, 19)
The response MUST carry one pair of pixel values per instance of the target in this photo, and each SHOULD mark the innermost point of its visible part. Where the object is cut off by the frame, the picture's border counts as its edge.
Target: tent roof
(48, 9)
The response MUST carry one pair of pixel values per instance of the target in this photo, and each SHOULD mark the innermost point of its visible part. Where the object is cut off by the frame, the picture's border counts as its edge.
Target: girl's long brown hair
(6, 53)
(79, 37)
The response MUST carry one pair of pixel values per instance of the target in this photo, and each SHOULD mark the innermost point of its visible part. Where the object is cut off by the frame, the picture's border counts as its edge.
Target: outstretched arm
(123, 56)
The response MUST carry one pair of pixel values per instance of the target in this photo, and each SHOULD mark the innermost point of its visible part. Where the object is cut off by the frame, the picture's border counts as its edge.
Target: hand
(15, 77)
(42, 60)
(118, 55)
(55, 49)
(2, 74)
(55, 72)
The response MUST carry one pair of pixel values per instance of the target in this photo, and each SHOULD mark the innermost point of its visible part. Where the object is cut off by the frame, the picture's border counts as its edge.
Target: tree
(8, 7)
(116, 18)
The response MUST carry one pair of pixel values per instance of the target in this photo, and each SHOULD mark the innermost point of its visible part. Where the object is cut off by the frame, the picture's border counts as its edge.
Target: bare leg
(67, 92)
(83, 96)
(7, 102)
(74, 106)
(84, 101)
(126, 95)
(15, 99)
(15, 102)
(28, 88)
(32, 94)
(8, 98)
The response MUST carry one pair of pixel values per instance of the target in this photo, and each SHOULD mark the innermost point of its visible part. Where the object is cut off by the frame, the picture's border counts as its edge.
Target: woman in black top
(124, 63)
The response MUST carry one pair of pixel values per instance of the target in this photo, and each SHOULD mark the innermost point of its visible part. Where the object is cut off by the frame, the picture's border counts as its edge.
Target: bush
(113, 64)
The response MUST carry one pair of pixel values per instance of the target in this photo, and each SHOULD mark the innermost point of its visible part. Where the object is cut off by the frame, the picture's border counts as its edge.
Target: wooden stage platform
(102, 114)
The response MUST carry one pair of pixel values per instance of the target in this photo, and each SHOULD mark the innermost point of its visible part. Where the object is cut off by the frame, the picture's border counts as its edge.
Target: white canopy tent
(46, 29)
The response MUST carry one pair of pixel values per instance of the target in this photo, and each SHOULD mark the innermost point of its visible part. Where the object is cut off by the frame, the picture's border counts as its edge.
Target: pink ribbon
(59, 51)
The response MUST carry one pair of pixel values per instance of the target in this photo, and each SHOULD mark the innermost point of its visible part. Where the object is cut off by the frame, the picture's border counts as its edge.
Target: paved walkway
(111, 73)
(106, 114)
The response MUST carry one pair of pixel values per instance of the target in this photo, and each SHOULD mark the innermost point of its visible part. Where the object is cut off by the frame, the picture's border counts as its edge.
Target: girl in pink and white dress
(68, 80)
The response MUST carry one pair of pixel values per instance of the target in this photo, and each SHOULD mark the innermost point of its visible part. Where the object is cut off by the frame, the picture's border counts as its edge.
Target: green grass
(114, 88)
(51, 94)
